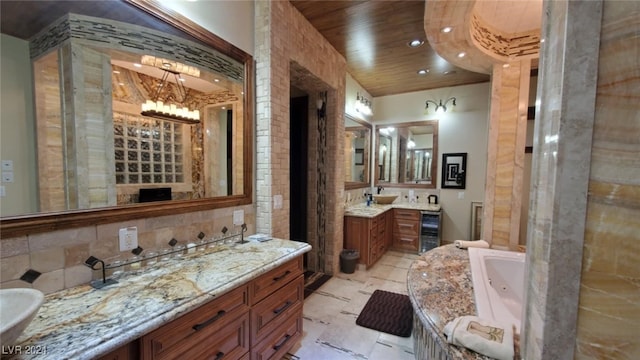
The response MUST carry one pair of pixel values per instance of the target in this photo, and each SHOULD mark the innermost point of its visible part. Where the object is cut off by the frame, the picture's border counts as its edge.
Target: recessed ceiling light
(116, 72)
(182, 79)
(505, 65)
(216, 80)
(541, 40)
(446, 29)
(121, 84)
(461, 54)
(415, 43)
(137, 65)
(423, 71)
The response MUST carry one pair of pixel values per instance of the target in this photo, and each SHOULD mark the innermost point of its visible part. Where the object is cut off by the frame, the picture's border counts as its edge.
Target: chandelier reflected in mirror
(160, 109)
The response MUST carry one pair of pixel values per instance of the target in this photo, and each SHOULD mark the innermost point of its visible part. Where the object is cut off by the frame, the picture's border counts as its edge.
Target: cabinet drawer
(196, 326)
(278, 342)
(268, 283)
(406, 227)
(229, 342)
(273, 310)
(406, 242)
(406, 214)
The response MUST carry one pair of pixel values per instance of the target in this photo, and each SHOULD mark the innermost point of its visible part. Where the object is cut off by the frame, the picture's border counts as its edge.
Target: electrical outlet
(238, 217)
(128, 238)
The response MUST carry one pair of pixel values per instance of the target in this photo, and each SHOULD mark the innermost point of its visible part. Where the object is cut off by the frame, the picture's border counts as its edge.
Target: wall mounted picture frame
(454, 170)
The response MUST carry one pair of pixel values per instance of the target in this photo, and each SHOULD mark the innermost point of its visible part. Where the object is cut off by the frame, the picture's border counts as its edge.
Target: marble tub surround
(84, 323)
(440, 289)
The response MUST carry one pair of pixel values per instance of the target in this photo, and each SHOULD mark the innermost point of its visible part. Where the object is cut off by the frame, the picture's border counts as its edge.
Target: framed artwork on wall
(454, 170)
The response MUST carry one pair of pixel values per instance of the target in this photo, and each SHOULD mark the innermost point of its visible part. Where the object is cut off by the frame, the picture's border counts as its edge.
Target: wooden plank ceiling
(373, 37)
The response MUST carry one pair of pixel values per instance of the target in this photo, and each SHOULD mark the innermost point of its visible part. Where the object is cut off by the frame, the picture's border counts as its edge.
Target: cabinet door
(356, 236)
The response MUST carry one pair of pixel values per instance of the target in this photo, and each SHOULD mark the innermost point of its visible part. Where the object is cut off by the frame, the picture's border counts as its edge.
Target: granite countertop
(85, 323)
(361, 210)
(440, 289)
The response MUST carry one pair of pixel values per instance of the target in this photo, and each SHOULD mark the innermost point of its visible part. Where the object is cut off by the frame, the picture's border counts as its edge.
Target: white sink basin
(17, 308)
(385, 198)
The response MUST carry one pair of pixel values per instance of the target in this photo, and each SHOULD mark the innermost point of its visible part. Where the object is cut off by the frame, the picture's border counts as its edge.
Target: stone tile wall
(60, 255)
(283, 38)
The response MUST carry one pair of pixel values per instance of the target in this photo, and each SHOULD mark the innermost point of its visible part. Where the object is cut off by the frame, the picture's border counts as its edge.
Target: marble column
(507, 135)
(563, 141)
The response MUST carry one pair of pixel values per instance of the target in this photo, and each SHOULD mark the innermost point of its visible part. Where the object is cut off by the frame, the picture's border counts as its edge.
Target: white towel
(482, 336)
(462, 244)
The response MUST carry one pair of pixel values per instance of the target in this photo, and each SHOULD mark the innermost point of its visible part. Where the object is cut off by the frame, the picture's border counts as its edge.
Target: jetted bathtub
(498, 284)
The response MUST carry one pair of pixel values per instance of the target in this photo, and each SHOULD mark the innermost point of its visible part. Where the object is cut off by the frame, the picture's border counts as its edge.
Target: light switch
(7, 165)
(7, 176)
(277, 201)
(238, 217)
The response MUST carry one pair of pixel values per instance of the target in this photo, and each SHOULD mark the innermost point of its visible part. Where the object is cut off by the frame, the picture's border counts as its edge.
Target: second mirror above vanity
(407, 154)
(356, 147)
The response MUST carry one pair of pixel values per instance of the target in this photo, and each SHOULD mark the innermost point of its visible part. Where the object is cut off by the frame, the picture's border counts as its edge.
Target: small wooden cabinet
(406, 229)
(370, 236)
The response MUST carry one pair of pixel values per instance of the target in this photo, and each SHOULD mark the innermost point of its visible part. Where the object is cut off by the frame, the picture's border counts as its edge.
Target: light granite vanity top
(85, 323)
(362, 210)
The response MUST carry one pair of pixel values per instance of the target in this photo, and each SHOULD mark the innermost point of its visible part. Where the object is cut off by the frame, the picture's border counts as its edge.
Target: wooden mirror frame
(352, 185)
(20, 225)
(434, 164)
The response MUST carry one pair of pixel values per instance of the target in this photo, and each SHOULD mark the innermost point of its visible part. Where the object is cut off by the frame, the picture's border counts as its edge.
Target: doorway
(298, 165)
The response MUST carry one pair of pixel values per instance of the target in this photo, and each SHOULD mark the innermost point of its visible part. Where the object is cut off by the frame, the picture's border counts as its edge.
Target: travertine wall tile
(48, 260)
(13, 267)
(14, 246)
(285, 56)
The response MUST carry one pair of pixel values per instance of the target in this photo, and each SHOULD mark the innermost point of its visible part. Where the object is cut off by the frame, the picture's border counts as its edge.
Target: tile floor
(330, 330)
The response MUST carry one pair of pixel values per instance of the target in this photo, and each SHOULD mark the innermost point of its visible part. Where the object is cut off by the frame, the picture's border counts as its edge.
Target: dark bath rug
(387, 312)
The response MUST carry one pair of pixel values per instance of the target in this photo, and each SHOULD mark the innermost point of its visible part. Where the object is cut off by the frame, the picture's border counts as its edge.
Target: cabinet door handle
(278, 278)
(219, 355)
(282, 308)
(284, 341)
(200, 326)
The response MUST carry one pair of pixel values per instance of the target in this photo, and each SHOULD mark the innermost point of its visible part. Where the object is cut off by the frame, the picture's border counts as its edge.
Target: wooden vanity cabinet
(406, 229)
(259, 320)
(370, 236)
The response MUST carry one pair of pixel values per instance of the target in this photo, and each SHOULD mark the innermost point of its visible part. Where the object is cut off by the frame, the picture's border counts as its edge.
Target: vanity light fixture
(363, 105)
(440, 106)
(157, 108)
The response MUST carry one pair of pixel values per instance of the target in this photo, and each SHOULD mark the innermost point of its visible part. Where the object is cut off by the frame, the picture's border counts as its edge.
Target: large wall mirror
(356, 148)
(407, 154)
(137, 112)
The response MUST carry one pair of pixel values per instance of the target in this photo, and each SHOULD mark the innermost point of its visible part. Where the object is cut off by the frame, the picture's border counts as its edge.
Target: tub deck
(440, 288)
